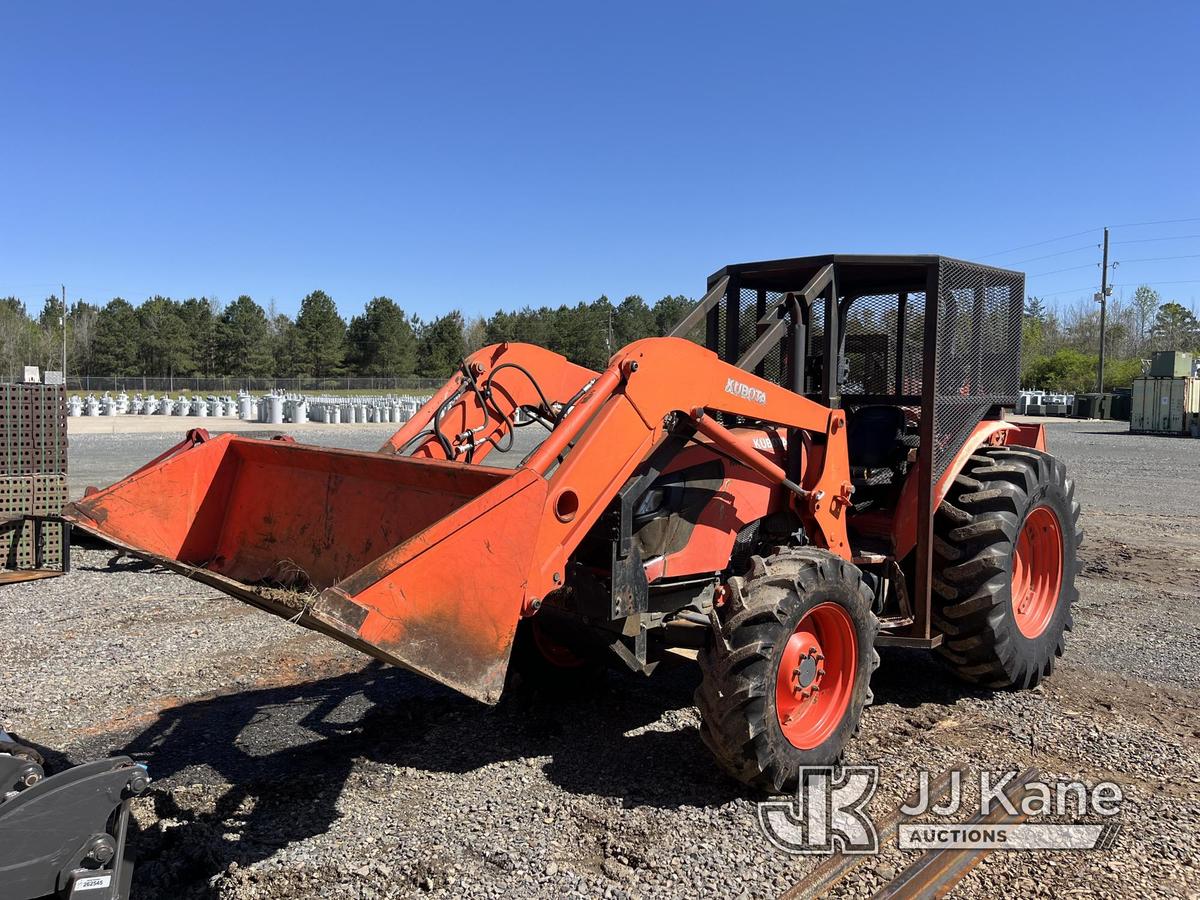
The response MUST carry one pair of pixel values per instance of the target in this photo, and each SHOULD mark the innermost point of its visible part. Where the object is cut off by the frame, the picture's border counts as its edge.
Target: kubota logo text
(754, 395)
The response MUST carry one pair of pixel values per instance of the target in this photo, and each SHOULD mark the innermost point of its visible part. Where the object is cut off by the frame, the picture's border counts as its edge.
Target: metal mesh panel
(879, 358)
(33, 429)
(913, 367)
(752, 307)
(870, 345)
(31, 495)
(816, 345)
(979, 350)
(33, 466)
(774, 366)
(747, 319)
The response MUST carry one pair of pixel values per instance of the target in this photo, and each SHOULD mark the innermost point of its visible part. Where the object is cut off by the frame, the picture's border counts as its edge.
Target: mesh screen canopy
(884, 333)
(978, 350)
(882, 343)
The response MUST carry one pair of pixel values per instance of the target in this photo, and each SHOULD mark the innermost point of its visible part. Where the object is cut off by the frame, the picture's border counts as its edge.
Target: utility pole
(63, 322)
(1103, 298)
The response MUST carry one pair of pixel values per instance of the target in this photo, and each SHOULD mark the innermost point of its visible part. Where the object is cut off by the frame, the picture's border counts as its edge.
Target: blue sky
(490, 155)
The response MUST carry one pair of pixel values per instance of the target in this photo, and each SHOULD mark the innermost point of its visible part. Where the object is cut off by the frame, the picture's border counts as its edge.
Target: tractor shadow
(243, 775)
(122, 562)
(277, 759)
(912, 679)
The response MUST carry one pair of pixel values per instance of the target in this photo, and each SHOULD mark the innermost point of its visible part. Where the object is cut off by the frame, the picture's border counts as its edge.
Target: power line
(1068, 269)
(1051, 255)
(1159, 222)
(1071, 291)
(16, 289)
(1149, 283)
(1063, 237)
(1177, 237)
(1124, 284)
(1037, 243)
(1159, 258)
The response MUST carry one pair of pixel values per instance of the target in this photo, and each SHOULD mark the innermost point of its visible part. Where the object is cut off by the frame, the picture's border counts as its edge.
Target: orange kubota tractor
(825, 468)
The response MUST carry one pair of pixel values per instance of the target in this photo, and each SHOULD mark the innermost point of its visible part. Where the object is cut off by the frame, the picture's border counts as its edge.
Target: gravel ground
(289, 766)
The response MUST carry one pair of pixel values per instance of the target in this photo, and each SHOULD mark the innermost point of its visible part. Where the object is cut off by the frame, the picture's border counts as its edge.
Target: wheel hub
(808, 674)
(816, 675)
(1037, 571)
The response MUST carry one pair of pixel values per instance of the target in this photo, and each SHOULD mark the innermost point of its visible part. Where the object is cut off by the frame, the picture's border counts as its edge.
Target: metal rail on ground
(834, 870)
(936, 872)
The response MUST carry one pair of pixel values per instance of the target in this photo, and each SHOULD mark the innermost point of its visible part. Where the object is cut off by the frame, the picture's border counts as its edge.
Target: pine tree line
(201, 337)
(164, 337)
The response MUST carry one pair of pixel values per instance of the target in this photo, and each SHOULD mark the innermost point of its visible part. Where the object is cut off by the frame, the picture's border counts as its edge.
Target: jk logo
(828, 813)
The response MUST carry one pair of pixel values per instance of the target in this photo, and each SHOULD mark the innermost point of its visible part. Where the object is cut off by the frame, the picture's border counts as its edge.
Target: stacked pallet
(33, 474)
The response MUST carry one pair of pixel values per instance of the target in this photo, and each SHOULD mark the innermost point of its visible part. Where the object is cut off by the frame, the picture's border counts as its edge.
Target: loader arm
(624, 415)
(473, 413)
(447, 601)
(614, 420)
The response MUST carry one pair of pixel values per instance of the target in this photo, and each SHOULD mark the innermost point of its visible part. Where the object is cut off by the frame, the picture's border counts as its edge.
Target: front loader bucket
(418, 562)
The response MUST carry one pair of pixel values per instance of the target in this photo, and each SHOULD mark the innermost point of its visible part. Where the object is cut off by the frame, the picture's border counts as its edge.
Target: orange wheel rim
(553, 652)
(815, 679)
(1037, 571)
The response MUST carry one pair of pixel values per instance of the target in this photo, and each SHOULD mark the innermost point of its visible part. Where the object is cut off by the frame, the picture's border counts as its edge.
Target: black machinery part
(65, 835)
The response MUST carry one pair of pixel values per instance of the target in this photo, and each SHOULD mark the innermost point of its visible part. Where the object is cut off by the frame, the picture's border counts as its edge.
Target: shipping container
(1164, 405)
(1171, 364)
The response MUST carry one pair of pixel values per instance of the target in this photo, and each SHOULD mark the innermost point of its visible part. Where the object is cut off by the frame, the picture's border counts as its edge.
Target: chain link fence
(231, 384)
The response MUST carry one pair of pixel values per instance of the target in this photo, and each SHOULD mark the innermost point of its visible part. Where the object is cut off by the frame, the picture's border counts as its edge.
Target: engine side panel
(739, 497)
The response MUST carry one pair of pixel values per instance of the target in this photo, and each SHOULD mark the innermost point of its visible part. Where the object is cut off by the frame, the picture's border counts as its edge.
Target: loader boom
(646, 383)
(614, 422)
(597, 445)
(614, 425)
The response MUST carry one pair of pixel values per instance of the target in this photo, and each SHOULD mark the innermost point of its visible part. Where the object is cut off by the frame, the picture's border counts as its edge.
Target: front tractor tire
(544, 662)
(787, 675)
(1005, 544)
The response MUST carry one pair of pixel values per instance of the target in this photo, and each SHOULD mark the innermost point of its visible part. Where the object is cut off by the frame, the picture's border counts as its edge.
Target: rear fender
(1028, 436)
(904, 523)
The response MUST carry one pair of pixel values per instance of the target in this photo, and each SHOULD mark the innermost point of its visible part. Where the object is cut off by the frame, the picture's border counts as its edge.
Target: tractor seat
(873, 436)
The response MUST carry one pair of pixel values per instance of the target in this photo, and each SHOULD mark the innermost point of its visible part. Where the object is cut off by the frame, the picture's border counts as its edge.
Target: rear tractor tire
(787, 675)
(1005, 544)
